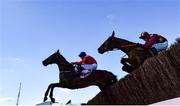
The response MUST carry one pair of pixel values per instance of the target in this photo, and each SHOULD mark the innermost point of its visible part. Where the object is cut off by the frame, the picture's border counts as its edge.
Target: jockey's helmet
(82, 54)
(144, 35)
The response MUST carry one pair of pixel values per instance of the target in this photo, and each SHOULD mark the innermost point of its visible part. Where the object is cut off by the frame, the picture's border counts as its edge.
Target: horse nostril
(100, 51)
(44, 63)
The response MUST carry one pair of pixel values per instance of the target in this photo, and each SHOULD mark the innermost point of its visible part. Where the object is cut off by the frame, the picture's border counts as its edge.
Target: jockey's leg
(89, 66)
(160, 46)
(87, 69)
(85, 73)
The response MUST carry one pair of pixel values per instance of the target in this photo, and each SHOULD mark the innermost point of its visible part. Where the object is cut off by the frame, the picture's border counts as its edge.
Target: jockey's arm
(78, 63)
(151, 41)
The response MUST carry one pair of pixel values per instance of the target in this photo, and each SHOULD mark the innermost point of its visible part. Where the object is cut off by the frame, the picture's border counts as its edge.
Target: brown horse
(136, 54)
(68, 77)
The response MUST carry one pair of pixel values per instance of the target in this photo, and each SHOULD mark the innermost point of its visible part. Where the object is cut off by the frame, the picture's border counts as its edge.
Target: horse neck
(64, 65)
(123, 45)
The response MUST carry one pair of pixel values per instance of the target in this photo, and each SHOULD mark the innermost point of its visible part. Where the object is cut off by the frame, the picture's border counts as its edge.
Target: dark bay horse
(68, 77)
(136, 54)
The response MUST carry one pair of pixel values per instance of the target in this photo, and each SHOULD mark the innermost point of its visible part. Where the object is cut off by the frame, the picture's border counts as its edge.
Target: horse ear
(58, 51)
(113, 33)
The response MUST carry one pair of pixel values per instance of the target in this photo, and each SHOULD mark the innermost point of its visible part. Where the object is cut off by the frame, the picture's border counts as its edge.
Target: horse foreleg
(52, 89)
(128, 65)
(127, 68)
(46, 93)
(124, 60)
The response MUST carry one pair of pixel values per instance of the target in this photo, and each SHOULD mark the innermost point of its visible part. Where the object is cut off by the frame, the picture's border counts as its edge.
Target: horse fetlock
(53, 100)
(45, 98)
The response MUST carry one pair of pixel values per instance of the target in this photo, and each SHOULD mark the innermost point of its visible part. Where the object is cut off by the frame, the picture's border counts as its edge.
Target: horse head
(117, 43)
(57, 58)
(107, 45)
(51, 59)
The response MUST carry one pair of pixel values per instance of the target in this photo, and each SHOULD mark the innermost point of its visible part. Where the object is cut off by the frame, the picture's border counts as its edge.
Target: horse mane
(124, 40)
(125, 45)
(64, 59)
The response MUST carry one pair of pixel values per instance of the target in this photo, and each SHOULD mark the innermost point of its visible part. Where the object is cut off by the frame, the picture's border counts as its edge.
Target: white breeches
(89, 66)
(160, 46)
(87, 69)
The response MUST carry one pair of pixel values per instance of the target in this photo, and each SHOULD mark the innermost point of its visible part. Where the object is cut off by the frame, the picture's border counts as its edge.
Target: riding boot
(154, 50)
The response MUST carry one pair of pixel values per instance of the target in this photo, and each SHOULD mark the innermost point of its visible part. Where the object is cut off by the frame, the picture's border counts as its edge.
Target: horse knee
(128, 69)
(50, 86)
(123, 60)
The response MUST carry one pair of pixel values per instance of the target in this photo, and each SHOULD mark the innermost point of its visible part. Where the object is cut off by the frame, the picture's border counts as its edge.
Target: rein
(65, 64)
(128, 45)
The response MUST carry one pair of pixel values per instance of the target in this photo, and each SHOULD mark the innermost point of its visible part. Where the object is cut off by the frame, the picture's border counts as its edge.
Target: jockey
(87, 63)
(154, 42)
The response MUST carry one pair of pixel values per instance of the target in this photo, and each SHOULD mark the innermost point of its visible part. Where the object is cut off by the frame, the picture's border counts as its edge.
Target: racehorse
(136, 53)
(68, 76)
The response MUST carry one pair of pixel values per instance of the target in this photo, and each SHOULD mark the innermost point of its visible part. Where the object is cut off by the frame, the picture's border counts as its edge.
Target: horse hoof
(45, 98)
(53, 100)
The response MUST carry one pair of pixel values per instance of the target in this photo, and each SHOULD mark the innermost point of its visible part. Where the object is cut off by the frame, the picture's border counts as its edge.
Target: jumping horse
(135, 52)
(68, 77)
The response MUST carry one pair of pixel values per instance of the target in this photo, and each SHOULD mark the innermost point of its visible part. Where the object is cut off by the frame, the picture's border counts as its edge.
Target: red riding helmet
(144, 35)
